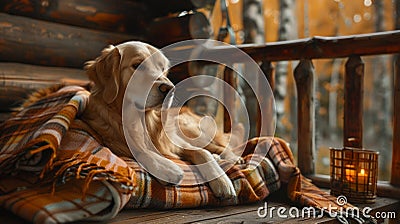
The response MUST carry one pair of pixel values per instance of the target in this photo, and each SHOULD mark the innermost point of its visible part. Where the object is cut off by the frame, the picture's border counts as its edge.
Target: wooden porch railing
(351, 47)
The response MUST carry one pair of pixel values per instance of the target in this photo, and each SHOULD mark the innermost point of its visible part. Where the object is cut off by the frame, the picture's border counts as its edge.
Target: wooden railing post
(304, 76)
(395, 174)
(353, 103)
(229, 99)
(268, 69)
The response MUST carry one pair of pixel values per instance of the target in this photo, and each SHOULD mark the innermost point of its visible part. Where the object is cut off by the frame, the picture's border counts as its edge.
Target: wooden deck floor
(244, 214)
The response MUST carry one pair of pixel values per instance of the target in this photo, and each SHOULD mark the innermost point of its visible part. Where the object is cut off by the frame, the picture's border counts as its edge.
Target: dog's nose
(165, 88)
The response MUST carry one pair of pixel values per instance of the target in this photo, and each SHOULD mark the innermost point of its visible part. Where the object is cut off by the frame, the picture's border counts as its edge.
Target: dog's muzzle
(167, 90)
(164, 88)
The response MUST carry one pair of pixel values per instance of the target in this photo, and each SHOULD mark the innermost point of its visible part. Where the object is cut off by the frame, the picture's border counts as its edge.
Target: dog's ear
(104, 72)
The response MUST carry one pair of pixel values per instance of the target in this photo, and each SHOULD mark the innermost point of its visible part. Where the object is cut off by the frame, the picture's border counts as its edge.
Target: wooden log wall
(107, 15)
(19, 80)
(70, 32)
(39, 42)
(37, 36)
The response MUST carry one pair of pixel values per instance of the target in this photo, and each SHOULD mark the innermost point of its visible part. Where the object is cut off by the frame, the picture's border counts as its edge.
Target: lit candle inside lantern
(362, 177)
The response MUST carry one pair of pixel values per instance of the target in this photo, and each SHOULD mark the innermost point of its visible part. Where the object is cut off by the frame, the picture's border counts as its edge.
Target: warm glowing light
(362, 177)
(350, 172)
(367, 3)
(357, 18)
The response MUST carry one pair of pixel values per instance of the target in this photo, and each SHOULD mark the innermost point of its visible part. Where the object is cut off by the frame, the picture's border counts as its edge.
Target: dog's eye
(135, 66)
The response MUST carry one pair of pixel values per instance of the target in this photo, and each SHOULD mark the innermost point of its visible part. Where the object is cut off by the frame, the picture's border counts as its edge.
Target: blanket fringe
(46, 146)
(92, 172)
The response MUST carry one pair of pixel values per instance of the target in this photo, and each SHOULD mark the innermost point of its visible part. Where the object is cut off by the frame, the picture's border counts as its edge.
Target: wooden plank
(268, 70)
(353, 103)
(226, 214)
(107, 15)
(304, 77)
(43, 73)
(314, 48)
(43, 43)
(190, 215)
(237, 214)
(230, 77)
(144, 215)
(254, 219)
(395, 172)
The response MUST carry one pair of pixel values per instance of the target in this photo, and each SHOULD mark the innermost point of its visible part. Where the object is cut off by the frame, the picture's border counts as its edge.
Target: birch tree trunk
(287, 31)
(333, 91)
(253, 24)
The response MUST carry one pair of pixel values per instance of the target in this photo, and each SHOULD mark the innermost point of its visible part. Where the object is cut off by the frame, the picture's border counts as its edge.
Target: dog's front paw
(222, 187)
(171, 173)
(167, 172)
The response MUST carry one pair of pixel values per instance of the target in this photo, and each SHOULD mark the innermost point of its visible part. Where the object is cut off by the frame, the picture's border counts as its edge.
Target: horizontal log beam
(33, 72)
(313, 48)
(17, 81)
(38, 42)
(109, 15)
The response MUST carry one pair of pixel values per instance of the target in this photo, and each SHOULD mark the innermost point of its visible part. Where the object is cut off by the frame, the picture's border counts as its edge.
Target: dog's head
(116, 65)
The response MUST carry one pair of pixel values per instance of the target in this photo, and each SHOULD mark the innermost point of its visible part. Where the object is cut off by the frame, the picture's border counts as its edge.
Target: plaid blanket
(54, 170)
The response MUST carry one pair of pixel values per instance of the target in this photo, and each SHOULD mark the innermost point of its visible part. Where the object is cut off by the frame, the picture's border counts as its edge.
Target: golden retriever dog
(182, 138)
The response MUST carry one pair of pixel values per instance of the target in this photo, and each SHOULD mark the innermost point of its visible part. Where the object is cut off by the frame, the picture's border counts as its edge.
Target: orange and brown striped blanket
(52, 170)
